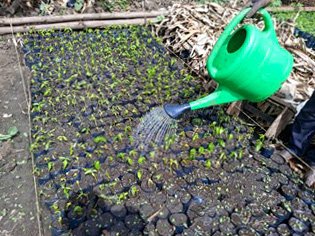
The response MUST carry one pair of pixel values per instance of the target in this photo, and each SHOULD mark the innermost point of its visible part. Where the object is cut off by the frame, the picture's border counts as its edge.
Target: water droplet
(154, 127)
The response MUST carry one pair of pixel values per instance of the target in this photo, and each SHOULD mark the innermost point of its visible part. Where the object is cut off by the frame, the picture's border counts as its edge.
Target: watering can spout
(219, 96)
(175, 111)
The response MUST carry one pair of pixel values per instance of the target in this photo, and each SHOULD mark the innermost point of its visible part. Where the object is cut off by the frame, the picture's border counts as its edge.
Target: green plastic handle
(231, 26)
(224, 36)
(269, 27)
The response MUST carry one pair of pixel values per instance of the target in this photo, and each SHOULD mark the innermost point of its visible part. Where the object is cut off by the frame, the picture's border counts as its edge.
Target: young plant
(208, 163)
(141, 160)
(90, 171)
(259, 142)
(134, 190)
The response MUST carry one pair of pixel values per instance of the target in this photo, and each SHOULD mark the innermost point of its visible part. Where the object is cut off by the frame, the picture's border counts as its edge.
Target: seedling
(221, 143)
(211, 147)
(134, 190)
(66, 190)
(100, 139)
(97, 165)
(259, 142)
(65, 162)
(129, 161)
(173, 163)
(139, 174)
(202, 150)
(141, 160)
(121, 155)
(78, 210)
(50, 165)
(208, 163)
(62, 138)
(90, 171)
(192, 154)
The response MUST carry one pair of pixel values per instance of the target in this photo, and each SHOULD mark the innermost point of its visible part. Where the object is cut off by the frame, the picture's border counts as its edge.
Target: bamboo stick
(288, 8)
(78, 17)
(75, 25)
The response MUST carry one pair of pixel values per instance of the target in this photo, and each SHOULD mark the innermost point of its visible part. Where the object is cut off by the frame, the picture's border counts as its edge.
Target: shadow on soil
(89, 214)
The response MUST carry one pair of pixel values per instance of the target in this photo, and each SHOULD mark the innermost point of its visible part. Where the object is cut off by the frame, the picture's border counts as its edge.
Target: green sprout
(50, 165)
(211, 147)
(259, 142)
(139, 174)
(90, 171)
(78, 210)
(134, 190)
(208, 163)
(100, 139)
(97, 165)
(141, 160)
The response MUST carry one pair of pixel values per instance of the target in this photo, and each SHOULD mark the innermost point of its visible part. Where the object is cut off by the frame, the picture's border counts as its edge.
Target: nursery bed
(89, 91)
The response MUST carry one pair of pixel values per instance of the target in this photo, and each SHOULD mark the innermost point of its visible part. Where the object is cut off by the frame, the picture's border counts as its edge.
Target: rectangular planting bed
(89, 91)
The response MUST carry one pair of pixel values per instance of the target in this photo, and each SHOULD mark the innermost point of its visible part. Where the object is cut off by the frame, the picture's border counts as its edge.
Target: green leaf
(141, 160)
(12, 131)
(97, 165)
(100, 139)
(62, 138)
(78, 6)
(130, 161)
(71, 150)
(78, 210)
(139, 174)
(134, 190)
(50, 165)
(88, 171)
(208, 164)
(211, 147)
(65, 163)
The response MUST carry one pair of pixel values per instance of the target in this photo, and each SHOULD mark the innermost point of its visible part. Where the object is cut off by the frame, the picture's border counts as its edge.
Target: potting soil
(89, 91)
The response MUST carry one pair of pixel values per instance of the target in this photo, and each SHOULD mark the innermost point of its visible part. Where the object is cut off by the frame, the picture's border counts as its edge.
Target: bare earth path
(17, 193)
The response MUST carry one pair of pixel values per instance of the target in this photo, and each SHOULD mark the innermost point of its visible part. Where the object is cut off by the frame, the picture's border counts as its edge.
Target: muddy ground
(17, 198)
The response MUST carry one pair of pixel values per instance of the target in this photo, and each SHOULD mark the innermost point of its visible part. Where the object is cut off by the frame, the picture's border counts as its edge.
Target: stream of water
(154, 127)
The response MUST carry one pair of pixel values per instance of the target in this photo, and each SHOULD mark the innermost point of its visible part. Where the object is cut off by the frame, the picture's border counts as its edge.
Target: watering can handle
(269, 28)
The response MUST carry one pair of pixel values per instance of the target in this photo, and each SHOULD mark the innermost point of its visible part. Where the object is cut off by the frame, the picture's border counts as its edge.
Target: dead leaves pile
(195, 29)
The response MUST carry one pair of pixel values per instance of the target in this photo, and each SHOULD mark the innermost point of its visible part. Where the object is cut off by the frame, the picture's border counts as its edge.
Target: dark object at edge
(309, 38)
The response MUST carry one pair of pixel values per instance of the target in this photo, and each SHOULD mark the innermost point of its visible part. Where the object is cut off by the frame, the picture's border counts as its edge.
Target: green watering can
(247, 63)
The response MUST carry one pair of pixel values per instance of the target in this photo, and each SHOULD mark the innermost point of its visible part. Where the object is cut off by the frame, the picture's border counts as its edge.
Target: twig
(155, 214)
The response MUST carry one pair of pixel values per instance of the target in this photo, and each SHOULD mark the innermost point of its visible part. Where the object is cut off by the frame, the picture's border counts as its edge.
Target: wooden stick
(76, 25)
(285, 9)
(78, 17)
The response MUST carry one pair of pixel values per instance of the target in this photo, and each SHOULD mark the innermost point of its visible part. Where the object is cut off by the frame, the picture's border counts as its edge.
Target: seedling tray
(89, 91)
